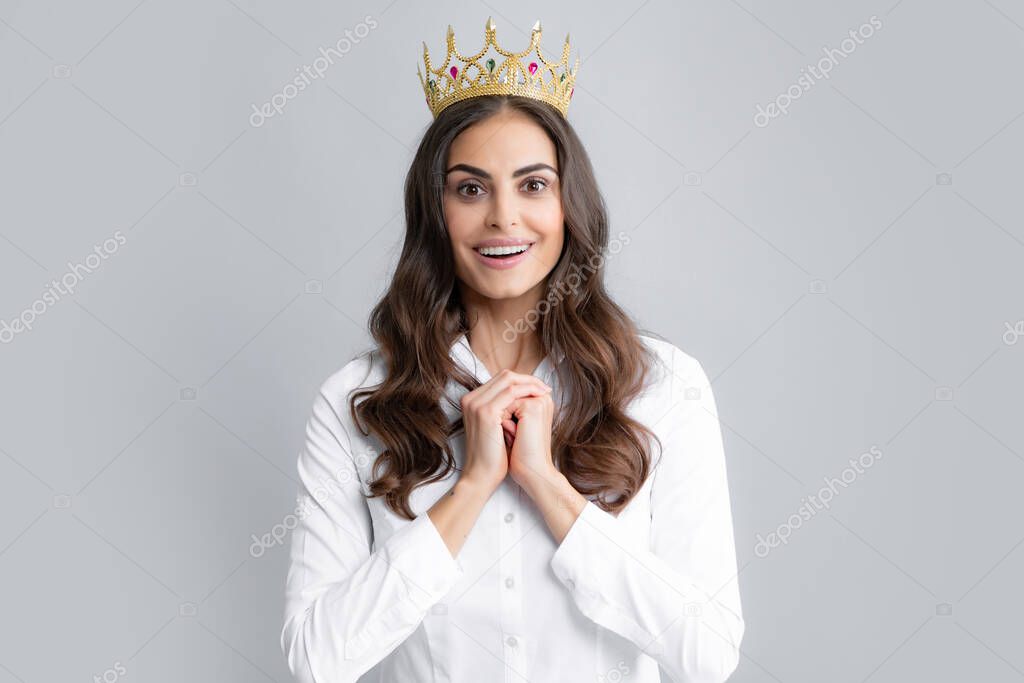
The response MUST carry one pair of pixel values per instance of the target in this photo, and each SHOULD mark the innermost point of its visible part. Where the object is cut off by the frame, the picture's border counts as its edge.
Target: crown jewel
(519, 73)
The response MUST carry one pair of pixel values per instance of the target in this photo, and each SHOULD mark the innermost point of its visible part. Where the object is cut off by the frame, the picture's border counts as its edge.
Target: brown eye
(540, 182)
(466, 186)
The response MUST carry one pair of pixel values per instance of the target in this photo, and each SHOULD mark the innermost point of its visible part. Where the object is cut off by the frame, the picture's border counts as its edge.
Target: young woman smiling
(509, 502)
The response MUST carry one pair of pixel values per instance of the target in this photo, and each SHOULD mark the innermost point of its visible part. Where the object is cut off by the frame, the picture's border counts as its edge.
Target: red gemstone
(571, 92)
(533, 68)
(454, 71)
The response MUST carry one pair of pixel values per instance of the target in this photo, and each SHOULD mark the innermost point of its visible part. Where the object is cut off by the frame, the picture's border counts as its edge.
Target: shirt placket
(510, 567)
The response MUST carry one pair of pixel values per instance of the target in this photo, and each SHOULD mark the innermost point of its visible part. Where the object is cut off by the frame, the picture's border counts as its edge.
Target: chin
(498, 285)
(506, 291)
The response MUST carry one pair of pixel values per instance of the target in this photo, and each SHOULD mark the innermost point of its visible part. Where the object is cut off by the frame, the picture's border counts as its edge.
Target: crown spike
(536, 26)
(489, 26)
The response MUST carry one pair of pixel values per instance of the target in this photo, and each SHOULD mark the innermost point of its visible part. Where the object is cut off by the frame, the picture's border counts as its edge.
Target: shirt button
(509, 582)
(511, 640)
(509, 516)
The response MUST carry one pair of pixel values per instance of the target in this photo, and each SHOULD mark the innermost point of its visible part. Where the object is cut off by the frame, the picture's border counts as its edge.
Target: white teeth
(501, 251)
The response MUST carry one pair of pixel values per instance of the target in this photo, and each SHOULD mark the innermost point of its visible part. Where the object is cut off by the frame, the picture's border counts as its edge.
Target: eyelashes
(473, 184)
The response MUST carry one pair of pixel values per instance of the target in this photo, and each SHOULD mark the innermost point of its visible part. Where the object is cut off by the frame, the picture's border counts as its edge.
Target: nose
(502, 211)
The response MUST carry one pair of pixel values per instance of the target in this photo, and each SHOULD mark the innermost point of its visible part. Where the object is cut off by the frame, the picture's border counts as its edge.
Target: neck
(504, 333)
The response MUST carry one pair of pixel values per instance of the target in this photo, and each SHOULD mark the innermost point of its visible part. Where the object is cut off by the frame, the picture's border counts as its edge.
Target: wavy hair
(600, 449)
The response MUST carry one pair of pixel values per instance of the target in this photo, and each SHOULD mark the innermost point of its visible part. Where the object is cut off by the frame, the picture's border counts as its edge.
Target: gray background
(849, 275)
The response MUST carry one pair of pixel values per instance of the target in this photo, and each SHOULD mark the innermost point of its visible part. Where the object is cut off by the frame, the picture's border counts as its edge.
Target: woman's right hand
(484, 414)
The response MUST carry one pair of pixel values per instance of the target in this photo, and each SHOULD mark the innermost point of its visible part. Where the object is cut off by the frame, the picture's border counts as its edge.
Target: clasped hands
(508, 431)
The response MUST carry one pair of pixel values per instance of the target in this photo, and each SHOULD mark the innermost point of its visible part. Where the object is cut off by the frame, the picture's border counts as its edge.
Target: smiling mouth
(503, 252)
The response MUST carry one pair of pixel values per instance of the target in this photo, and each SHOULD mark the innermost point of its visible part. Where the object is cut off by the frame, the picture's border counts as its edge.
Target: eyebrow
(487, 176)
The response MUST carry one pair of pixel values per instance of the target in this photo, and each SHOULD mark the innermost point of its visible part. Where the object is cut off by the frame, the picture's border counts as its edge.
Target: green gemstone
(490, 65)
(562, 78)
(431, 83)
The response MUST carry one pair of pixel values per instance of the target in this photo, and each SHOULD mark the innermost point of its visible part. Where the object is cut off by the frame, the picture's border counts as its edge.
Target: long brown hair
(595, 444)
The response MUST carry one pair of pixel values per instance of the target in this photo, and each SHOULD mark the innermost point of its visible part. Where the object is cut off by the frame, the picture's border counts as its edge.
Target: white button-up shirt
(620, 596)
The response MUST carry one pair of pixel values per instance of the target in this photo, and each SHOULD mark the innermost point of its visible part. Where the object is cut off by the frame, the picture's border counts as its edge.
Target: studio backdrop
(201, 201)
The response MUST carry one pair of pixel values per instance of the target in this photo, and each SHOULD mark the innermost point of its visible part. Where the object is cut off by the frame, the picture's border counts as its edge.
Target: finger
(511, 393)
(499, 436)
(516, 408)
(510, 389)
(501, 381)
(511, 410)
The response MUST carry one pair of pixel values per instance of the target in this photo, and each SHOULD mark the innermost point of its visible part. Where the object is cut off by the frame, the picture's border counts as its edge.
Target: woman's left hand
(530, 454)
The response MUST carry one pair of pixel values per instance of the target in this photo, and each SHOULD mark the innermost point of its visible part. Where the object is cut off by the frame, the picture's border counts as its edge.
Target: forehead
(508, 140)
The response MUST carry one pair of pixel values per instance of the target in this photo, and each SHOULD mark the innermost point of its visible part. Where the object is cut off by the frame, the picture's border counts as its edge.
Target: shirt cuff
(591, 563)
(418, 552)
(596, 556)
(586, 546)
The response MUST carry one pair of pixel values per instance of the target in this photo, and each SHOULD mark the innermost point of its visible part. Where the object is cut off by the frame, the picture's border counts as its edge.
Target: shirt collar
(463, 354)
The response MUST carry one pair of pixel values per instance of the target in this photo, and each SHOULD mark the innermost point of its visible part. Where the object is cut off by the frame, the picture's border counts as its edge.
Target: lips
(502, 251)
(503, 242)
(502, 261)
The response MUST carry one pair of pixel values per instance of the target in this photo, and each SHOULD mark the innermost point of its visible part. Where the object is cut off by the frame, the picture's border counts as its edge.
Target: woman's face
(502, 188)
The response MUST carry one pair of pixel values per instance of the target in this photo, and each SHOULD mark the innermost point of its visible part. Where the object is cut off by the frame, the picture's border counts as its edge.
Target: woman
(516, 485)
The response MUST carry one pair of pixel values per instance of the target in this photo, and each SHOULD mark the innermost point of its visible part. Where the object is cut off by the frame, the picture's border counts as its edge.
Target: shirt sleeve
(346, 607)
(678, 598)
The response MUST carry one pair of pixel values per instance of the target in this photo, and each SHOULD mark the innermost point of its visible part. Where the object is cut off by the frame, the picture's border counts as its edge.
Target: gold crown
(551, 82)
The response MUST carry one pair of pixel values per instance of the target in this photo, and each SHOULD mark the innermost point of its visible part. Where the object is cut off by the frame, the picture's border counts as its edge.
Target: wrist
(536, 483)
(475, 485)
